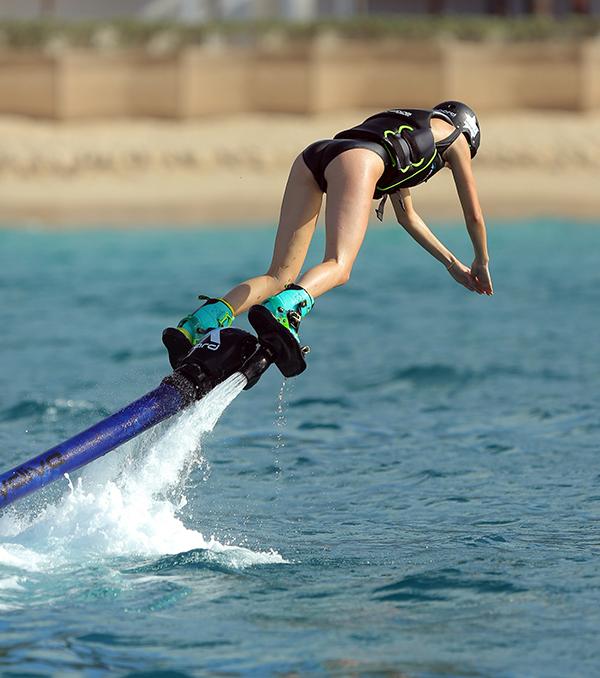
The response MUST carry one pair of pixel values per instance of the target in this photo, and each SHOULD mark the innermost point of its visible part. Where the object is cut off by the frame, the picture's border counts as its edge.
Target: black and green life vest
(407, 137)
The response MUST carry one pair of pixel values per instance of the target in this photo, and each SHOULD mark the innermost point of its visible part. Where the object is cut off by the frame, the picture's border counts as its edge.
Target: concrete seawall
(327, 74)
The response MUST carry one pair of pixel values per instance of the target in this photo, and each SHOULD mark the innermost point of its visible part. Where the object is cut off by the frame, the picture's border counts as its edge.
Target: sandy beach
(233, 171)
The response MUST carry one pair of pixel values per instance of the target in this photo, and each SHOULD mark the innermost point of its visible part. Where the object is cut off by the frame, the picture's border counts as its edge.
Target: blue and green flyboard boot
(179, 341)
(277, 322)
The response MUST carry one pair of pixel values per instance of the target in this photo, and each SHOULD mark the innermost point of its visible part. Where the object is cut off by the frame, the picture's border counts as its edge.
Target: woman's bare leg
(351, 180)
(299, 212)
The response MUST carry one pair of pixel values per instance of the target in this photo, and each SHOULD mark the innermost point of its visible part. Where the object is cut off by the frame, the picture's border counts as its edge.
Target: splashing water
(280, 423)
(127, 503)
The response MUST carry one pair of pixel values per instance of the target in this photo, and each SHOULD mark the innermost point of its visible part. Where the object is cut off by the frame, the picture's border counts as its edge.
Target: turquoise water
(424, 501)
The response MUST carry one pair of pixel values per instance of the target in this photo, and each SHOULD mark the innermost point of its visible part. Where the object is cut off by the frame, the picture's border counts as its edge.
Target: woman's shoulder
(415, 117)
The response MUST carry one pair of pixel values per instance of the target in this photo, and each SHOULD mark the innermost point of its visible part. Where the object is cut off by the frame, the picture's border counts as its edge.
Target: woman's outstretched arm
(418, 229)
(459, 158)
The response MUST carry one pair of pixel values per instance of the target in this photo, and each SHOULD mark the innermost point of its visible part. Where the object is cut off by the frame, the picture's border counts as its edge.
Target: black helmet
(463, 119)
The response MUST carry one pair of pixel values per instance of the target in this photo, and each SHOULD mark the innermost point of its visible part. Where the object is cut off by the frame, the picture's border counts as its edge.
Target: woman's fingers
(478, 281)
(471, 284)
(465, 279)
(484, 280)
(480, 284)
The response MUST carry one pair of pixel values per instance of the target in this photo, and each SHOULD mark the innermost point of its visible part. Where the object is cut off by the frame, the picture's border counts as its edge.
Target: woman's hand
(463, 276)
(481, 274)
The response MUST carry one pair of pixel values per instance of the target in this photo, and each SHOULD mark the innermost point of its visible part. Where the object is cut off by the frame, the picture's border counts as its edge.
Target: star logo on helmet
(470, 125)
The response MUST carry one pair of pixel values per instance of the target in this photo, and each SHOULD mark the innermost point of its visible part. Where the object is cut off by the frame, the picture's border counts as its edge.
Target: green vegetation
(169, 36)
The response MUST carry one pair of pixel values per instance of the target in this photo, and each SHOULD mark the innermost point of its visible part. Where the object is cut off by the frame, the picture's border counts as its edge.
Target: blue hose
(106, 435)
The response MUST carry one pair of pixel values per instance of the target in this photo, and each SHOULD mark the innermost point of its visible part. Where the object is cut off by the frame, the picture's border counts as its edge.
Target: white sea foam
(13, 583)
(128, 503)
(11, 589)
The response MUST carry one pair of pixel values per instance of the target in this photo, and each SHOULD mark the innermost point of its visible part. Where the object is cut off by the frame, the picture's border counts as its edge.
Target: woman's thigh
(297, 220)
(351, 180)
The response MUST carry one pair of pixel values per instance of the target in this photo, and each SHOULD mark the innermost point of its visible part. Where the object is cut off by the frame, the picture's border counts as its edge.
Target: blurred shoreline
(153, 173)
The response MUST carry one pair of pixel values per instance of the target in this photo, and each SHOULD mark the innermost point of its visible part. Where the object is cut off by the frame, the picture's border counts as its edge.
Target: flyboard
(218, 356)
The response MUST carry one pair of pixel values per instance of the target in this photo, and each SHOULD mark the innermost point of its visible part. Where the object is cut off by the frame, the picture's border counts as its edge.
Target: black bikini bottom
(319, 154)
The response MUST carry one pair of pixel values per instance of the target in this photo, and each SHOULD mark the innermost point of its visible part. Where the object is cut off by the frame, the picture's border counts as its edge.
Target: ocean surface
(423, 501)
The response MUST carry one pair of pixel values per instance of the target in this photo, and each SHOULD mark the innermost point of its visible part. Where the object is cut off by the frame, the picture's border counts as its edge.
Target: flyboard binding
(221, 353)
(285, 350)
